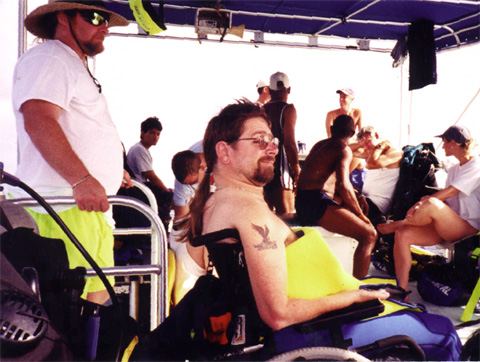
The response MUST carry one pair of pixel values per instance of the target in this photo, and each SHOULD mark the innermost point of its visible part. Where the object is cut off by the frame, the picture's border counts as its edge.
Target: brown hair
(226, 126)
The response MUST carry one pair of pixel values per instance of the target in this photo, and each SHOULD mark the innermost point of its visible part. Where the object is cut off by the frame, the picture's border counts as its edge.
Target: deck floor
(453, 313)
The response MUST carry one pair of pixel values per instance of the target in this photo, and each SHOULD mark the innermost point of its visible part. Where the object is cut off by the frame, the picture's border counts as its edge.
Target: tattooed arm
(264, 240)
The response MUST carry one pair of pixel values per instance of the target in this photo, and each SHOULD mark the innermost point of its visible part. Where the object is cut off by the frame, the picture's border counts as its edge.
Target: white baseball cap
(261, 84)
(279, 81)
(347, 91)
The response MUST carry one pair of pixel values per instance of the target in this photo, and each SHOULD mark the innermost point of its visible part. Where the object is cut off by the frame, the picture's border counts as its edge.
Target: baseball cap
(459, 134)
(347, 91)
(279, 81)
(261, 84)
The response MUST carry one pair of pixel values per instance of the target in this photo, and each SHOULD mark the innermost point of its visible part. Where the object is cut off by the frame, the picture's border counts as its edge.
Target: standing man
(263, 93)
(347, 95)
(140, 162)
(326, 197)
(279, 193)
(68, 143)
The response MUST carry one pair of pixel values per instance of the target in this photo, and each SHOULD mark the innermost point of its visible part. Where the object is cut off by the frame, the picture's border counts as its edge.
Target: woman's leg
(404, 238)
(429, 222)
(448, 225)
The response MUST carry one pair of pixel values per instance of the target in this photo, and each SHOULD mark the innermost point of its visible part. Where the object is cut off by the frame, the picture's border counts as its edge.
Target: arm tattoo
(266, 243)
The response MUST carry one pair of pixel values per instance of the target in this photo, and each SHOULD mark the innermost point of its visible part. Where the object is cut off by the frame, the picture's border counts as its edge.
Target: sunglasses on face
(262, 141)
(94, 17)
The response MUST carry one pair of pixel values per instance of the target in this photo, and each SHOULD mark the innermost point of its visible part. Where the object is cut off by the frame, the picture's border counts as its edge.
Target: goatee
(263, 174)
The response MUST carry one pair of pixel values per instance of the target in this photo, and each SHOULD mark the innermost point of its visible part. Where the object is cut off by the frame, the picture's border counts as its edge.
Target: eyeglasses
(262, 141)
(93, 17)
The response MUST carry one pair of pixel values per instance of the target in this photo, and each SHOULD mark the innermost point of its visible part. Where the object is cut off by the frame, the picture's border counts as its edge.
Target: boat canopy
(456, 22)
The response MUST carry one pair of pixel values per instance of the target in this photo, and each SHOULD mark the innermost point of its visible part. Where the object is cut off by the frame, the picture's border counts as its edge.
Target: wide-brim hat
(35, 25)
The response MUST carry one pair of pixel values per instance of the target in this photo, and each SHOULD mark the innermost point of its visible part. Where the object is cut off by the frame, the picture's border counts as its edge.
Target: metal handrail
(159, 251)
(152, 201)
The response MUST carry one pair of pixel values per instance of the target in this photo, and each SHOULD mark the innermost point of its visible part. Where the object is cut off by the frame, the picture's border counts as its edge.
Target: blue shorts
(311, 205)
(435, 334)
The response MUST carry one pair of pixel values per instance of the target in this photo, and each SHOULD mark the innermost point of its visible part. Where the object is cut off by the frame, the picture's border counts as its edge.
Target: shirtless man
(383, 171)
(240, 152)
(326, 197)
(347, 96)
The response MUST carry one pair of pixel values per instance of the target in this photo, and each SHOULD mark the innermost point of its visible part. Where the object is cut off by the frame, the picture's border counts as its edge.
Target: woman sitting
(448, 215)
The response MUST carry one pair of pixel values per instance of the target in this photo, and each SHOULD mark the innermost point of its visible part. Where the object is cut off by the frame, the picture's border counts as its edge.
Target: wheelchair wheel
(319, 354)
(471, 348)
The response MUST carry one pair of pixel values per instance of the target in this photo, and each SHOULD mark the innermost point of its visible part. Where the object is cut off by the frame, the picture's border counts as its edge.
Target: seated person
(383, 171)
(240, 151)
(448, 215)
(140, 162)
(326, 197)
(191, 262)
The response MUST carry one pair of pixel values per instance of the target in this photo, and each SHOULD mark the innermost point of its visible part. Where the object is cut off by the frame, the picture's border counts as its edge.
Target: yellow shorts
(91, 230)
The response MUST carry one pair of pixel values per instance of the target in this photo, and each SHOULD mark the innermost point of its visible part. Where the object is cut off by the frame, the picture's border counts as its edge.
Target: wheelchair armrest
(352, 313)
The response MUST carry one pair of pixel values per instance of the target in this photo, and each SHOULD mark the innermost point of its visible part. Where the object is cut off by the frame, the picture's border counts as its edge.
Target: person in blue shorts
(326, 197)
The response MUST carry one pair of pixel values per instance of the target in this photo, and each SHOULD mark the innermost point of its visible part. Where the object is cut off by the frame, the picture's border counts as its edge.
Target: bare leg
(427, 223)
(404, 238)
(99, 297)
(448, 225)
(339, 220)
(390, 227)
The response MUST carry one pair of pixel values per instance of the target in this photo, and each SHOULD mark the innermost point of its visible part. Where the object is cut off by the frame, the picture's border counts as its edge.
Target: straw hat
(35, 25)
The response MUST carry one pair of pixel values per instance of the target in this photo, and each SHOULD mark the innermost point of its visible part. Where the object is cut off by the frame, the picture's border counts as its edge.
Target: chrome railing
(158, 267)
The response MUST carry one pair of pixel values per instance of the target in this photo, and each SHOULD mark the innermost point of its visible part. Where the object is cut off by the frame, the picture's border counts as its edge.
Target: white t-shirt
(379, 187)
(53, 72)
(183, 193)
(139, 160)
(466, 179)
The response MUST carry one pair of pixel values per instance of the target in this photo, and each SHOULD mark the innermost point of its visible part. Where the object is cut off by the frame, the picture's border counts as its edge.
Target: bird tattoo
(266, 243)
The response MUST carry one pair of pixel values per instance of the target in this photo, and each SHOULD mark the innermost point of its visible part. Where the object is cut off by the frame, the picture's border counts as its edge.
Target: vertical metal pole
(401, 108)
(134, 299)
(22, 33)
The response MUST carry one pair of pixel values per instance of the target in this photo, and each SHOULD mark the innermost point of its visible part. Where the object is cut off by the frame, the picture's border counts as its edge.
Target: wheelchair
(218, 320)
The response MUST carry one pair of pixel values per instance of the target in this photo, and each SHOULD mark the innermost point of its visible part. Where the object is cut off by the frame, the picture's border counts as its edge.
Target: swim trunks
(311, 205)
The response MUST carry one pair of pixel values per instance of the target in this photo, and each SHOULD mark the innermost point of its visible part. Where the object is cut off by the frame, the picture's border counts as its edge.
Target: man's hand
(363, 295)
(127, 180)
(295, 173)
(362, 201)
(90, 195)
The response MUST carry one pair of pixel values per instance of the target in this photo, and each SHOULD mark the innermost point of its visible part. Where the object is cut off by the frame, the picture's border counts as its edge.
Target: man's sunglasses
(94, 17)
(262, 141)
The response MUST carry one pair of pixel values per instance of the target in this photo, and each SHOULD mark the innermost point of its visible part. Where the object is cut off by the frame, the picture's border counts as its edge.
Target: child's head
(186, 167)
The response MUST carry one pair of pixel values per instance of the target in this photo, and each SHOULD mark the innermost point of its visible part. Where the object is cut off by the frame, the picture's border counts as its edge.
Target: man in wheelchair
(273, 281)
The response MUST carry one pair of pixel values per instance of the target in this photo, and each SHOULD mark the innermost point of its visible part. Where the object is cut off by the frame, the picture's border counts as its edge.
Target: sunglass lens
(99, 19)
(94, 17)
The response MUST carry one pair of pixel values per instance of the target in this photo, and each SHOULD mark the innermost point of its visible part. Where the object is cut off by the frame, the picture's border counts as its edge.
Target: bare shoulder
(333, 114)
(258, 226)
(357, 112)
